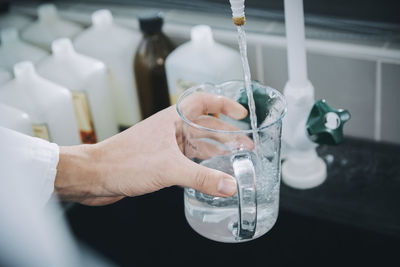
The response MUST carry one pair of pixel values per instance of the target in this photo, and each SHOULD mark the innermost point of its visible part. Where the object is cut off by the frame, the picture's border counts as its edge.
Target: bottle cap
(151, 23)
(62, 46)
(24, 69)
(201, 34)
(47, 12)
(102, 17)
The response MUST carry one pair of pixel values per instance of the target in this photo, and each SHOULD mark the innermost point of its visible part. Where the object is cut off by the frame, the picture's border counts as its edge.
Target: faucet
(306, 123)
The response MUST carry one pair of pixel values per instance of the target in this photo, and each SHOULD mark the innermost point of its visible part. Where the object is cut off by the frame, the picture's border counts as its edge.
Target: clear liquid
(247, 81)
(216, 218)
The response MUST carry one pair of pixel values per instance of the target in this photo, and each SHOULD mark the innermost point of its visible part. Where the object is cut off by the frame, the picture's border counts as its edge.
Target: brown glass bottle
(149, 66)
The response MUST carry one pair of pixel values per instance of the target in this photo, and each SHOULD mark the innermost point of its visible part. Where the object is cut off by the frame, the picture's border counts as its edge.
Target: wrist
(77, 173)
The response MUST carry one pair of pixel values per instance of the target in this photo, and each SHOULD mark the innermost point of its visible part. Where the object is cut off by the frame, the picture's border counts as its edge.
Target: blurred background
(142, 65)
(357, 41)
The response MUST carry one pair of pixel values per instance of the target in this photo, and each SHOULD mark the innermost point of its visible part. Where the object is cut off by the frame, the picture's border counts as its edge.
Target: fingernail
(238, 113)
(227, 186)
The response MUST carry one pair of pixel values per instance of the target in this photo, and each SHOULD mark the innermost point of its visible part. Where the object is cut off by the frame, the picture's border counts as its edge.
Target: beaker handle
(245, 175)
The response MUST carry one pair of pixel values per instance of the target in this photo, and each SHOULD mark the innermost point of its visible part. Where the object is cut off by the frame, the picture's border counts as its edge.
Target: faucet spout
(238, 16)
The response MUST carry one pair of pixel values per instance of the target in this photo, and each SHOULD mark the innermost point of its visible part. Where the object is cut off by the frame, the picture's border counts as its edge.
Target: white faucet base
(304, 170)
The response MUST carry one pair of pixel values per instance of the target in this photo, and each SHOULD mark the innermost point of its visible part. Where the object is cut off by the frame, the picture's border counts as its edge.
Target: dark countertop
(362, 188)
(352, 219)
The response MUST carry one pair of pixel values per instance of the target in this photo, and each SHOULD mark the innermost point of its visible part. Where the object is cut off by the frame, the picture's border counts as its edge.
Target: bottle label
(84, 118)
(41, 131)
(180, 86)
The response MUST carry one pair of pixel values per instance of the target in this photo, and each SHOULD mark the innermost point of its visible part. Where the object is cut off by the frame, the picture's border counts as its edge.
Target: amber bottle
(149, 66)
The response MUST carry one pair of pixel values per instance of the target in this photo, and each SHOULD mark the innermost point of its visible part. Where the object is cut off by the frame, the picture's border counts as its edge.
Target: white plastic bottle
(87, 79)
(5, 76)
(15, 119)
(49, 27)
(115, 46)
(48, 104)
(13, 50)
(201, 60)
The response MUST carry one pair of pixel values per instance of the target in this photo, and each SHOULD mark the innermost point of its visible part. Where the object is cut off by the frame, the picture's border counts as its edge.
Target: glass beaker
(254, 209)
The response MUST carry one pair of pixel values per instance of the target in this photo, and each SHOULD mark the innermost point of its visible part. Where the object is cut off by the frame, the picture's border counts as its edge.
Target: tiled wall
(361, 76)
(346, 83)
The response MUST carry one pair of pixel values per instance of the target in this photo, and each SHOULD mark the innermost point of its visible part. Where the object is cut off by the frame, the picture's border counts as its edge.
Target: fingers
(204, 103)
(214, 123)
(203, 149)
(203, 179)
(196, 144)
(232, 141)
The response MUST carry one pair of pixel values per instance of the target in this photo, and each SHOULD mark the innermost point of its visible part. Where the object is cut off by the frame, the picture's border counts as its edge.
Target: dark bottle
(149, 66)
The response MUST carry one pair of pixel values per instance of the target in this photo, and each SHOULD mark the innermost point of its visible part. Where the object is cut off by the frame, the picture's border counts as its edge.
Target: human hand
(145, 158)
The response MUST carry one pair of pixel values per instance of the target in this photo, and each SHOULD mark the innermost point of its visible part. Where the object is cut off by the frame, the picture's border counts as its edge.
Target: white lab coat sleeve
(31, 234)
(30, 160)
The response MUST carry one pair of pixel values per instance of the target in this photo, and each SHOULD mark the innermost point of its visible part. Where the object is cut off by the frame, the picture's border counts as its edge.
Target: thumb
(206, 180)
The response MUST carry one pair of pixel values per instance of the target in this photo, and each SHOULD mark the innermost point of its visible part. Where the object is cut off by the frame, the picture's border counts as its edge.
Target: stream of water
(247, 80)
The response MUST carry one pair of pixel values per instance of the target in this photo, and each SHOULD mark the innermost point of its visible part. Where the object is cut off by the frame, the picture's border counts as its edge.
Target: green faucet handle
(262, 100)
(325, 124)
